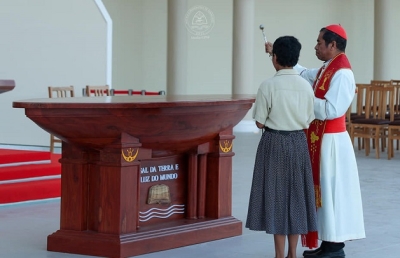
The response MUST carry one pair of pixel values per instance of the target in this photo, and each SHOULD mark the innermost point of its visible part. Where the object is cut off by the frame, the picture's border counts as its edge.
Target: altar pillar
(386, 50)
(219, 180)
(103, 187)
(177, 48)
(74, 181)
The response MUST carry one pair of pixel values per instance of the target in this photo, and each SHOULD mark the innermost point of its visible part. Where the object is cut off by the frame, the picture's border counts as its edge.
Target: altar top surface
(176, 123)
(135, 101)
(6, 85)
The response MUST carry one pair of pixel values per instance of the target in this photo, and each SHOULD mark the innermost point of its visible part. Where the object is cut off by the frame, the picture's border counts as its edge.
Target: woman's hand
(260, 125)
(268, 48)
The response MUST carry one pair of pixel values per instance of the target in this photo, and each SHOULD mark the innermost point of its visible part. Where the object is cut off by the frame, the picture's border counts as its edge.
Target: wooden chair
(97, 91)
(348, 119)
(361, 93)
(396, 85)
(374, 124)
(380, 83)
(59, 92)
(393, 132)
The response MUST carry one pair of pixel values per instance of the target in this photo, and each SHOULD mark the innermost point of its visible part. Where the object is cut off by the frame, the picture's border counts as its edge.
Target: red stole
(317, 129)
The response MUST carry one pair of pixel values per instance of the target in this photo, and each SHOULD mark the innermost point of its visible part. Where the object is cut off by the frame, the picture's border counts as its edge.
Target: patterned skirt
(282, 199)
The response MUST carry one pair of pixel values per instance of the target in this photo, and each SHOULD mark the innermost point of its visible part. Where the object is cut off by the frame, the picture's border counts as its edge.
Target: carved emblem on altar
(159, 194)
(225, 146)
(130, 155)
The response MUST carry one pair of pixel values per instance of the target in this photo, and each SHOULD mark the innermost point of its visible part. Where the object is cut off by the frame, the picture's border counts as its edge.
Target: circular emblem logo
(199, 20)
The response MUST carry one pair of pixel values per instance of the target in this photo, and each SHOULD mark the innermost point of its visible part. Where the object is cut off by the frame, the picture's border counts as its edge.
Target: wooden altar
(6, 85)
(142, 174)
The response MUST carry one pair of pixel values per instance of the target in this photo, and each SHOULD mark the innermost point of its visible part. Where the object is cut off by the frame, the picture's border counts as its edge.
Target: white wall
(43, 43)
(62, 42)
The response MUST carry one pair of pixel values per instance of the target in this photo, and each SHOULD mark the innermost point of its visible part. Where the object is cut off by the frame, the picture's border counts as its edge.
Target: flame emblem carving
(130, 156)
(225, 146)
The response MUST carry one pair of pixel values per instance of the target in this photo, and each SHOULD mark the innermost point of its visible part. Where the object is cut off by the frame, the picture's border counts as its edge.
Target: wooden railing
(129, 92)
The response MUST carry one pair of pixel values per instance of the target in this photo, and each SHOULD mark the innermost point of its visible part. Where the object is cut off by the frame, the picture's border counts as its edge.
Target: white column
(386, 47)
(243, 47)
(109, 24)
(177, 48)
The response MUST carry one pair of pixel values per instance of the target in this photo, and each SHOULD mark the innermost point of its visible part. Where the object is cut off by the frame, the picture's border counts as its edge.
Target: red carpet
(34, 170)
(8, 156)
(29, 191)
(28, 182)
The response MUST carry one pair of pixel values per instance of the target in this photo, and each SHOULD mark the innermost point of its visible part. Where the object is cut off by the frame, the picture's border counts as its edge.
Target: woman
(282, 200)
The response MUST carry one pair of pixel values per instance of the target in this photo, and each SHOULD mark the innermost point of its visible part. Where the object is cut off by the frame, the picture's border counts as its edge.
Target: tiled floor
(24, 227)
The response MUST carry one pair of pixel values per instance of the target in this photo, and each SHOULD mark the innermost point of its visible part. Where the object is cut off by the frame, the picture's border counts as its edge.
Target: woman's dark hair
(287, 51)
(330, 36)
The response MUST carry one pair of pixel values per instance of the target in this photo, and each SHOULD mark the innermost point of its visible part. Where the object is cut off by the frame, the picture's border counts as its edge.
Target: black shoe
(324, 254)
(312, 252)
(316, 251)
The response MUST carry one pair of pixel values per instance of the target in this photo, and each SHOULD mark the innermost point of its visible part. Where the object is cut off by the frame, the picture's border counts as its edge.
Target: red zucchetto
(338, 29)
